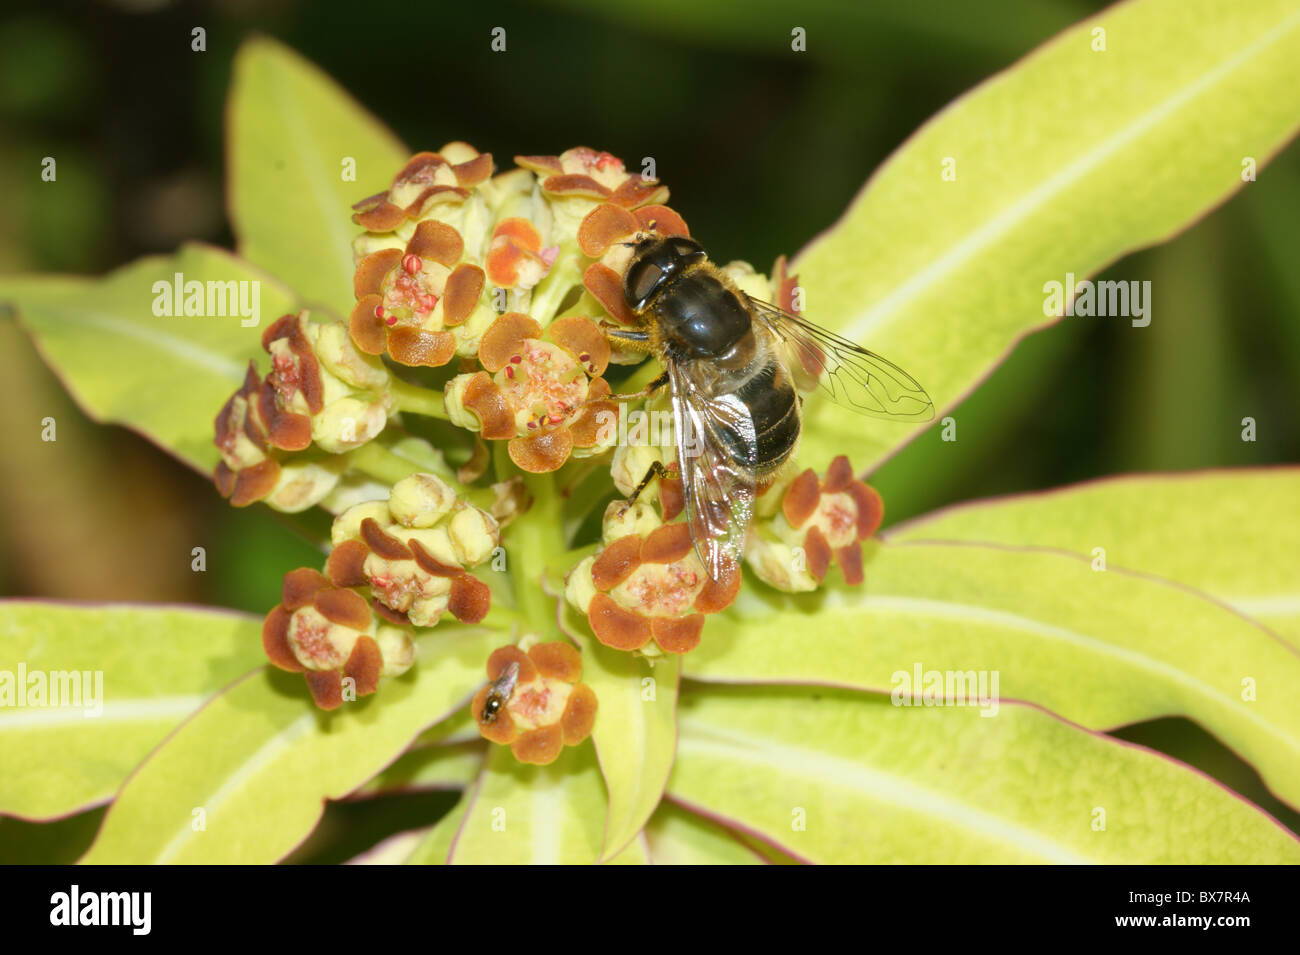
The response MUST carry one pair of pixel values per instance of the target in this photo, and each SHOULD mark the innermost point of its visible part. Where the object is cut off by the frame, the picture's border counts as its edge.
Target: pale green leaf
(452, 766)
(293, 133)
(1194, 528)
(678, 837)
(635, 732)
(636, 852)
(520, 814)
(166, 377)
(260, 760)
(1101, 649)
(460, 727)
(435, 845)
(1063, 163)
(391, 851)
(832, 776)
(140, 671)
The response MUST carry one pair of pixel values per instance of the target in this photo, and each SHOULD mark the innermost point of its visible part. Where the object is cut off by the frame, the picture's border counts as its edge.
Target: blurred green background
(762, 149)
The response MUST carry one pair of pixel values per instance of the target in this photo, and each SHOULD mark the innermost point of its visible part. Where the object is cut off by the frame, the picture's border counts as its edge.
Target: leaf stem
(534, 541)
(418, 400)
(377, 461)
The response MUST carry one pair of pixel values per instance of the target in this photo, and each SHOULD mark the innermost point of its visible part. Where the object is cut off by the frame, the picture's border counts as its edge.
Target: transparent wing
(854, 377)
(716, 452)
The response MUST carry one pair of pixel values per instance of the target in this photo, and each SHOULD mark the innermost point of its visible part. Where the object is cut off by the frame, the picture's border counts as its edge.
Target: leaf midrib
(946, 609)
(823, 768)
(261, 758)
(143, 710)
(863, 326)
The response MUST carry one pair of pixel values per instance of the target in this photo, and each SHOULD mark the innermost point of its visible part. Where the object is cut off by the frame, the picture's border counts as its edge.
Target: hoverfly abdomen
(773, 406)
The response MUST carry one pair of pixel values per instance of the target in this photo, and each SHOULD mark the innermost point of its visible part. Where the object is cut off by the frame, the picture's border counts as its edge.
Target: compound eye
(642, 280)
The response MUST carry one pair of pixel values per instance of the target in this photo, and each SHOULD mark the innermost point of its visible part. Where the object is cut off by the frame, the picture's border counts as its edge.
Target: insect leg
(656, 470)
(628, 338)
(645, 392)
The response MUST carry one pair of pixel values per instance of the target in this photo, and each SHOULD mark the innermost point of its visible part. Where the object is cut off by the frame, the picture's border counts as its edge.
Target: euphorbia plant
(740, 720)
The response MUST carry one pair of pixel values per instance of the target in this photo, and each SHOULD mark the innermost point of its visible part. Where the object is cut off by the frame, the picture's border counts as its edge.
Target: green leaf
(391, 851)
(678, 837)
(429, 767)
(435, 845)
(1101, 649)
(1196, 529)
(833, 776)
(147, 668)
(520, 814)
(460, 727)
(166, 377)
(636, 852)
(635, 737)
(292, 132)
(1064, 162)
(260, 760)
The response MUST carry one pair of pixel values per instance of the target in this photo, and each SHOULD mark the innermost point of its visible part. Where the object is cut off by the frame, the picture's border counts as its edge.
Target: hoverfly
(730, 362)
(503, 687)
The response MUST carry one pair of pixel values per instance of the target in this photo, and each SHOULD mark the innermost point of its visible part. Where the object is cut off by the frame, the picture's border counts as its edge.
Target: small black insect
(503, 687)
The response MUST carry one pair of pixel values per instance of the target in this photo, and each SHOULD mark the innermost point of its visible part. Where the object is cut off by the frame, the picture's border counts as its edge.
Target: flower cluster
(540, 390)
(447, 234)
(510, 283)
(534, 701)
(818, 521)
(320, 390)
(646, 590)
(329, 634)
(414, 550)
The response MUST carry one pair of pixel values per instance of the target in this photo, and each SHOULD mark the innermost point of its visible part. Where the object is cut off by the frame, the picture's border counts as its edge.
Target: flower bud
(632, 462)
(305, 483)
(319, 389)
(420, 500)
(413, 552)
